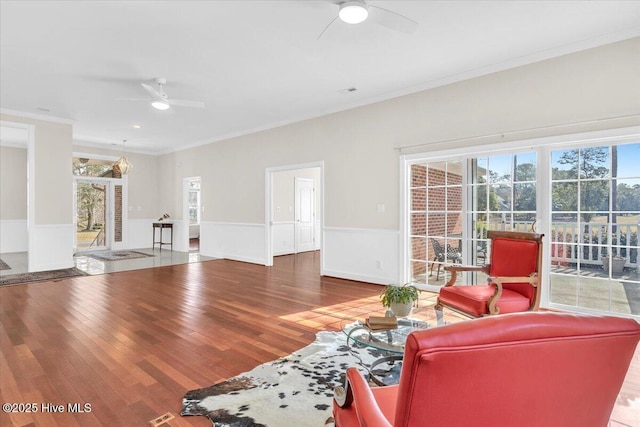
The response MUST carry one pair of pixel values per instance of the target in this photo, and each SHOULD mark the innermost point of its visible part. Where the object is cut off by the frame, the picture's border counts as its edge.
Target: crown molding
(35, 116)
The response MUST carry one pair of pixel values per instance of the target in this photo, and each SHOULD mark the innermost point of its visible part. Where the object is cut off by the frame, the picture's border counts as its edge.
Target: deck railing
(586, 243)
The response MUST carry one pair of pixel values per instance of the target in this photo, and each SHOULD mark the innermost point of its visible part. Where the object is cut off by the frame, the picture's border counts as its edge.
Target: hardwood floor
(132, 343)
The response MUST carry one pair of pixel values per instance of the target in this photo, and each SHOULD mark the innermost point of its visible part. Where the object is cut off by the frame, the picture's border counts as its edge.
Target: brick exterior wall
(436, 205)
(117, 213)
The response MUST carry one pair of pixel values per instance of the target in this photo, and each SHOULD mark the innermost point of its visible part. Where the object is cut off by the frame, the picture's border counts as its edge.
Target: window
(436, 219)
(194, 202)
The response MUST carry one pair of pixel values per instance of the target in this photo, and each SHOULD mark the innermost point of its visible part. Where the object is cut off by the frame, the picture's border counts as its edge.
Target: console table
(162, 226)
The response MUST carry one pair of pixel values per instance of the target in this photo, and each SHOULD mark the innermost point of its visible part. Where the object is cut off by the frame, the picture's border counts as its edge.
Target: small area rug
(296, 390)
(40, 276)
(118, 255)
(4, 265)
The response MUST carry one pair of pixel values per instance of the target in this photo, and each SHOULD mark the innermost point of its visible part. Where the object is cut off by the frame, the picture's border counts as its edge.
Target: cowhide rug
(296, 390)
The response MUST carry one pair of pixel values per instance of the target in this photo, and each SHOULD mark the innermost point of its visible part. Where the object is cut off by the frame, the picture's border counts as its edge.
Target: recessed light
(137, 126)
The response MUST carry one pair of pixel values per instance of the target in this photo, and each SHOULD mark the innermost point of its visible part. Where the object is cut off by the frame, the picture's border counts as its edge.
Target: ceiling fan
(358, 11)
(161, 101)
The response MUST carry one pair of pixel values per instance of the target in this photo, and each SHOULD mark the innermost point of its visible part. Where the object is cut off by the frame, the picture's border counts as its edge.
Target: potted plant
(617, 264)
(399, 299)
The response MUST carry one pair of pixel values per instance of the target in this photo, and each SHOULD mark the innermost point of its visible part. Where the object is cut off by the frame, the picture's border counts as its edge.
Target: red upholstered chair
(513, 278)
(536, 369)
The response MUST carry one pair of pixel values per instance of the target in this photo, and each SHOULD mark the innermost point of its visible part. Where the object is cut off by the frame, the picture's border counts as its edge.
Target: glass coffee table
(390, 342)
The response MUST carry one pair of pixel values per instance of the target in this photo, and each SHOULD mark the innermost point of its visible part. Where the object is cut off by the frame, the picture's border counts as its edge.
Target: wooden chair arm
(532, 279)
(493, 309)
(356, 388)
(454, 269)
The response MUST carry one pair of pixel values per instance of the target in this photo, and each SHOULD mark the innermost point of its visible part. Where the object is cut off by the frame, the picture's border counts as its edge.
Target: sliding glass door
(595, 204)
(453, 203)
(584, 197)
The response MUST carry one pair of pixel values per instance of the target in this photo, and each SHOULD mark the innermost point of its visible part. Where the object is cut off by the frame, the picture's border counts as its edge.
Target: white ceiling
(258, 64)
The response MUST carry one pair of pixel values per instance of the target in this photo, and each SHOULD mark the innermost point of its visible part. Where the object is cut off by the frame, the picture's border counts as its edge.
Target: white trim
(113, 144)
(234, 224)
(10, 144)
(357, 277)
(95, 156)
(403, 191)
(362, 230)
(595, 137)
(36, 116)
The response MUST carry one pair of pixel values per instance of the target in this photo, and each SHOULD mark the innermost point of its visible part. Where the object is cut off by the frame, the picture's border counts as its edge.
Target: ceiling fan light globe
(160, 105)
(353, 12)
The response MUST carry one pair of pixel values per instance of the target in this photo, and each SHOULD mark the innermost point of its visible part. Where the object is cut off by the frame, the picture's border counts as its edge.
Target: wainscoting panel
(368, 255)
(230, 240)
(52, 247)
(283, 235)
(140, 233)
(13, 236)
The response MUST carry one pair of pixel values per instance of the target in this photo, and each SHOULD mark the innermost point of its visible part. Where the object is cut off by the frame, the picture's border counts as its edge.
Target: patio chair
(513, 282)
(523, 369)
(442, 253)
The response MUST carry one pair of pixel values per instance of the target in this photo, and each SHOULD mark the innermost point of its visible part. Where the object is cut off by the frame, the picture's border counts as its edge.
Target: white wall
(13, 199)
(361, 162)
(50, 218)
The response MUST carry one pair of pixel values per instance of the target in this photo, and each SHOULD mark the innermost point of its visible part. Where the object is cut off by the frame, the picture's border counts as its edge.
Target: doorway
(294, 210)
(92, 213)
(192, 211)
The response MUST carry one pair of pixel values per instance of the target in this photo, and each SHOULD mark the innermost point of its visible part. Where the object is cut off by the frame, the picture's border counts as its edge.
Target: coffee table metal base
(389, 376)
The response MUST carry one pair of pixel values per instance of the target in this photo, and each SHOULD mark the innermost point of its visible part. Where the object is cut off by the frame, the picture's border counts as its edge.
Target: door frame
(268, 208)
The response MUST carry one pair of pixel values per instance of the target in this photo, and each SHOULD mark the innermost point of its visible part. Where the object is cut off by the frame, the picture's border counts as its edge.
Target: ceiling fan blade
(327, 27)
(151, 91)
(186, 103)
(393, 20)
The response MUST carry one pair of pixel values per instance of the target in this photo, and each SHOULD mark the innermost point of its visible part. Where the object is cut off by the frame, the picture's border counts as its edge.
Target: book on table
(376, 323)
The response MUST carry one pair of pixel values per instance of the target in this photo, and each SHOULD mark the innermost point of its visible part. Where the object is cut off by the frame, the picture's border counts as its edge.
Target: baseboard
(357, 277)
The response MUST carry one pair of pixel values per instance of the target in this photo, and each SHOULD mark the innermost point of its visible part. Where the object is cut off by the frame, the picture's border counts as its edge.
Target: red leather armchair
(535, 369)
(513, 278)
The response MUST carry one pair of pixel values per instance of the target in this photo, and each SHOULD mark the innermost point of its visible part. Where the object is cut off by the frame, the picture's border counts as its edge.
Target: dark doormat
(4, 265)
(41, 276)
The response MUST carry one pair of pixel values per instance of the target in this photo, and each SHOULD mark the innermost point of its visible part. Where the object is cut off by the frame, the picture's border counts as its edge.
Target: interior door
(304, 215)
